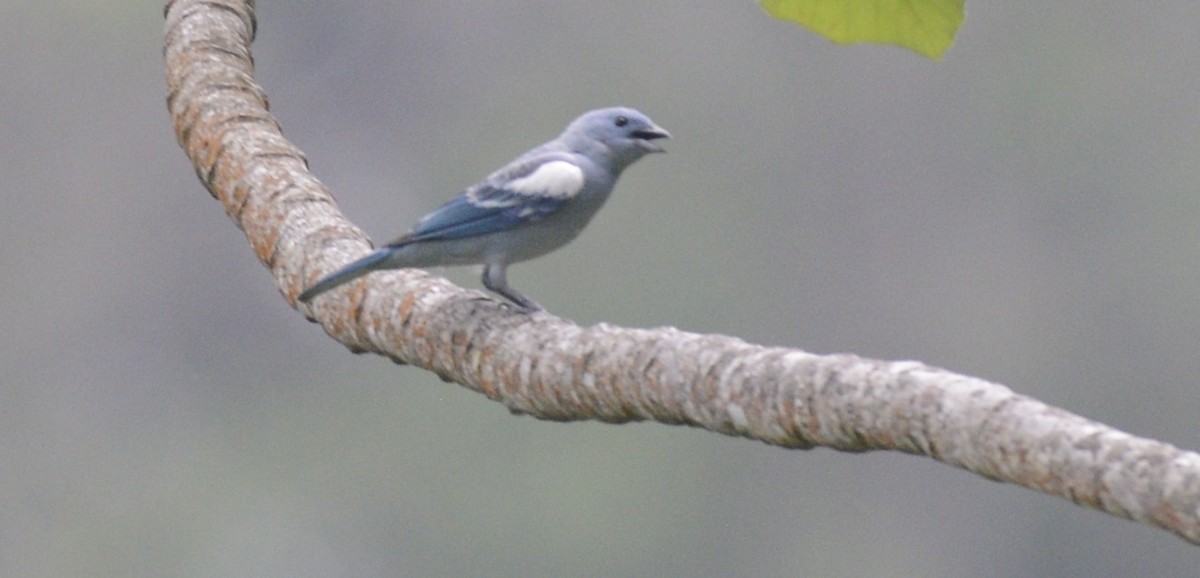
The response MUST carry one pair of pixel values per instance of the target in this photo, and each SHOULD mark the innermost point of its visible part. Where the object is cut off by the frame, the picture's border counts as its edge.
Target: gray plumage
(534, 205)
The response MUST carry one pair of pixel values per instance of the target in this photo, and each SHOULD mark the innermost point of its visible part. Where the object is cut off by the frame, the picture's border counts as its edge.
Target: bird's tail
(372, 262)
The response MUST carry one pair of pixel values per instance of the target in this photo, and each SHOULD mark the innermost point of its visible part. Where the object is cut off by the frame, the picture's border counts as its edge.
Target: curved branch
(552, 369)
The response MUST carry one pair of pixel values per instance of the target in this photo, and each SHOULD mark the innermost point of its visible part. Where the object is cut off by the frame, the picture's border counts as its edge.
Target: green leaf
(926, 27)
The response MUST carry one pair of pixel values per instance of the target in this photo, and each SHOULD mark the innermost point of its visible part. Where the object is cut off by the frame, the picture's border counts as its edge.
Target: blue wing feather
(463, 217)
(488, 207)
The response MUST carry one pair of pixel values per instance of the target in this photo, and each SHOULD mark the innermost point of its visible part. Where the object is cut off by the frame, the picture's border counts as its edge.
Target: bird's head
(622, 133)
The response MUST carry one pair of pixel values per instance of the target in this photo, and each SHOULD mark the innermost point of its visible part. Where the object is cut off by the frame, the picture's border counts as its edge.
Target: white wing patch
(555, 179)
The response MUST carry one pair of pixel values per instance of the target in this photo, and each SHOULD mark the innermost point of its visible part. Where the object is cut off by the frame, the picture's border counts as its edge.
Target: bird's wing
(527, 191)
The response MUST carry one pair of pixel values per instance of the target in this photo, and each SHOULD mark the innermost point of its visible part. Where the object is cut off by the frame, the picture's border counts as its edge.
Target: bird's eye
(621, 121)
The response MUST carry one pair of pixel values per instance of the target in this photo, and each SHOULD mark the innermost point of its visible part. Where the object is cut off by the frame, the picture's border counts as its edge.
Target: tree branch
(552, 369)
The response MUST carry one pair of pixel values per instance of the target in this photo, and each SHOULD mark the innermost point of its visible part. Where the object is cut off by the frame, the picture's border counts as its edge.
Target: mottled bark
(552, 369)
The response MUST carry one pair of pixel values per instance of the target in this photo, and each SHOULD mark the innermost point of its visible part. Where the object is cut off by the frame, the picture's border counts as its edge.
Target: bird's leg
(495, 278)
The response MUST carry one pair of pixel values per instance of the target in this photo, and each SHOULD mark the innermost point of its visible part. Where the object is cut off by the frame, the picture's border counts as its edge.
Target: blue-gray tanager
(532, 206)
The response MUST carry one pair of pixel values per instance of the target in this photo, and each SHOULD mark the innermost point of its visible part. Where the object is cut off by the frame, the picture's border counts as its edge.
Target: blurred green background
(1025, 211)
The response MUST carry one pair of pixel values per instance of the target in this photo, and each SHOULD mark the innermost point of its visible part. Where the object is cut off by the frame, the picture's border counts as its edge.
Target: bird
(533, 205)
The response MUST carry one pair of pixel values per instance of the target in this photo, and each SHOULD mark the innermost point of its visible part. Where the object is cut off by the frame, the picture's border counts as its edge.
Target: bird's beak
(647, 136)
